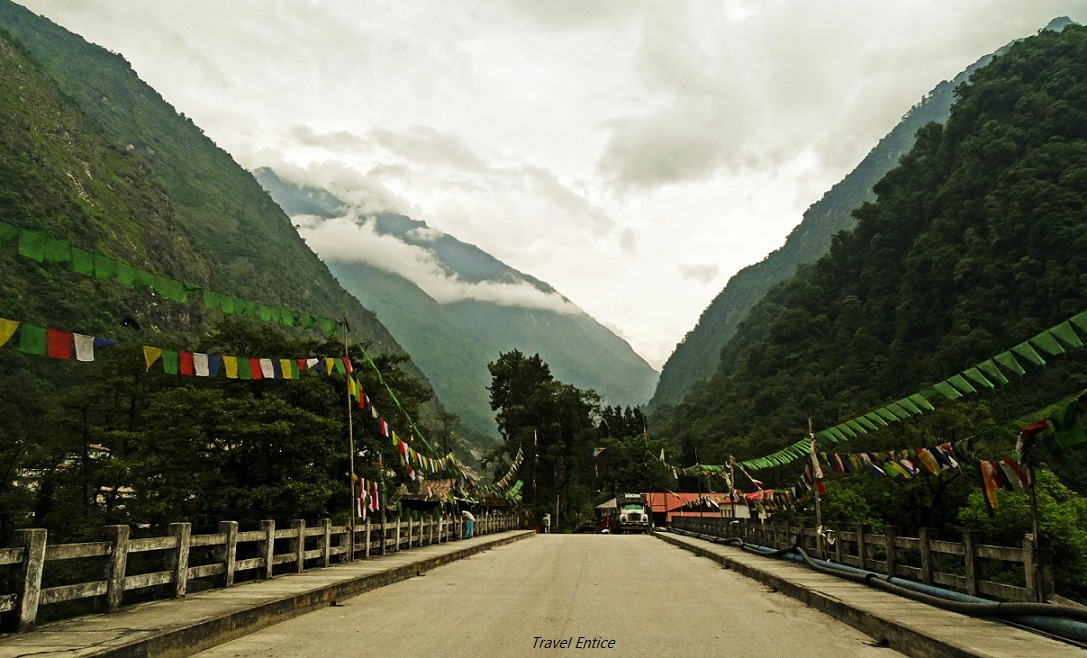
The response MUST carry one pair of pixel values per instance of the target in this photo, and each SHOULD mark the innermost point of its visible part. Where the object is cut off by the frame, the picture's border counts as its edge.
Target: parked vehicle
(631, 514)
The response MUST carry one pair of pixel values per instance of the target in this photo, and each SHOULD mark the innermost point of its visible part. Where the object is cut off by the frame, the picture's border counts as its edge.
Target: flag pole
(815, 473)
(350, 445)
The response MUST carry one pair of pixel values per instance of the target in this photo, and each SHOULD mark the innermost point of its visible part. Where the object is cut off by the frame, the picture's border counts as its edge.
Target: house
(667, 505)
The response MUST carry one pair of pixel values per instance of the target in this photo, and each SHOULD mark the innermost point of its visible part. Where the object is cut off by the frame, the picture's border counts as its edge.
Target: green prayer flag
(898, 410)
(32, 245)
(1068, 425)
(265, 313)
(856, 427)
(306, 320)
(885, 414)
(1066, 333)
(947, 390)
(57, 251)
(126, 274)
(32, 339)
(8, 233)
(1080, 320)
(145, 279)
(959, 382)
(863, 420)
(294, 369)
(975, 374)
(288, 318)
(993, 371)
(1027, 352)
(845, 430)
(1048, 343)
(825, 435)
(169, 362)
(327, 325)
(226, 302)
(921, 401)
(909, 406)
(875, 418)
(212, 300)
(104, 268)
(340, 368)
(82, 262)
(245, 369)
(1007, 359)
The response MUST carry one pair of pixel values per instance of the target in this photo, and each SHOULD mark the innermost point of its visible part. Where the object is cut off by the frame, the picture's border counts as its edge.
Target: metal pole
(815, 470)
(1036, 530)
(350, 440)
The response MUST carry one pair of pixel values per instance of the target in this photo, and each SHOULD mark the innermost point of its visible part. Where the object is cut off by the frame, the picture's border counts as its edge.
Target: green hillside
(697, 357)
(975, 243)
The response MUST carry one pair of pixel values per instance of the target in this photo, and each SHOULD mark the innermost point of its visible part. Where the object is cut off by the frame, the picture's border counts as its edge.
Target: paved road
(635, 593)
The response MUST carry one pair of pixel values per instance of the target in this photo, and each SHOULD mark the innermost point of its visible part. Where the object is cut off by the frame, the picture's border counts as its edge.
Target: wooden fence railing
(212, 560)
(965, 566)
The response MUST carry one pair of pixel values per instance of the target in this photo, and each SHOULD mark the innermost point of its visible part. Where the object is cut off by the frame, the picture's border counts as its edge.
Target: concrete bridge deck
(911, 627)
(181, 627)
(631, 595)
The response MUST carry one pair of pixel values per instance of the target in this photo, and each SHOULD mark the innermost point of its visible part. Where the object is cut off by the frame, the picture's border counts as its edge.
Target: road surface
(620, 595)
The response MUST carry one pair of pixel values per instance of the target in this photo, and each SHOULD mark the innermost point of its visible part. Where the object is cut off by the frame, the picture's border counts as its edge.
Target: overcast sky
(632, 154)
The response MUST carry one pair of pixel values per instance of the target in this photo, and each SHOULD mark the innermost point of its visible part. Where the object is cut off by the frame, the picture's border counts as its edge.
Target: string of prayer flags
(1003, 474)
(42, 248)
(198, 364)
(932, 460)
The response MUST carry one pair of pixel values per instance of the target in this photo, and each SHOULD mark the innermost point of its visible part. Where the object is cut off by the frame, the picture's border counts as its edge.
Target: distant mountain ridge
(494, 309)
(696, 358)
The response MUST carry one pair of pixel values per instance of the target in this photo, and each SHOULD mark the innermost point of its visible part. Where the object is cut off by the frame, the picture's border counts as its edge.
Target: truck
(631, 514)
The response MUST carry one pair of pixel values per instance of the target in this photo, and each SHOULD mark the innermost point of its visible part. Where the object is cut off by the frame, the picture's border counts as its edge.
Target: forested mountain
(697, 357)
(118, 217)
(496, 309)
(976, 241)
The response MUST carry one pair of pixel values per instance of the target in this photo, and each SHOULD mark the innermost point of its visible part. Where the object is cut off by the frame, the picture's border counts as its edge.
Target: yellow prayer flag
(151, 354)
(285, 366)
(7, 329)
(230, 363)
(330, 366)
(352, 388)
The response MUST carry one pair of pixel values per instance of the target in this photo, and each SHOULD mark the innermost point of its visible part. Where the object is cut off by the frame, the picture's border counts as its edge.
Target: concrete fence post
(396, 546)
(298, 543)
(29, 574)
(114, 572)
(367, 553)
(178, 561)
(862, 544)
(838, 543)
(326, 542)
(1030, 568)
(268, 545)
(926, 554)
(229, 552)
(970, 554)
(892, 550)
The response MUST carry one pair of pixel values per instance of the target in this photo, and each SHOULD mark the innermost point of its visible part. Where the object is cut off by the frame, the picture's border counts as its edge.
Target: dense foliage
(977, 241)
(577, 453)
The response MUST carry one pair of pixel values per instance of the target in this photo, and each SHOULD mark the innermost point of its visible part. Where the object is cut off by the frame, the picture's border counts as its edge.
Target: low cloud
(355, 239)
(701, 273)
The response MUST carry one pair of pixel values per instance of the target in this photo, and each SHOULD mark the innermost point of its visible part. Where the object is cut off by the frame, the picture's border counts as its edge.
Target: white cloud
(354, 239)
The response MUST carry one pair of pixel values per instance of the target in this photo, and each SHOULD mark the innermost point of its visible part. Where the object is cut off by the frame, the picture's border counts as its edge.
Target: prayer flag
(200, 364)
(255, 369)
(32, 340)
(7, 329)
(230, 364)
(169, 362)
(347, 364)
(186, 363)
(288, 367)
(277, 368)
(1068, 425)
(59, 343)
(150, 355)
(266, 369)
(215, 362)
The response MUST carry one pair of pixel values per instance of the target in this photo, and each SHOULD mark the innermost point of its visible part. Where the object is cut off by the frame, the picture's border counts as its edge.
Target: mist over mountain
(455, 307)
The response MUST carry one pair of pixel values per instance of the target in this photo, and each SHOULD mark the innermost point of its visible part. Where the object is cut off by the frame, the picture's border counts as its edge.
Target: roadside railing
(1011, 573)
(181, 560)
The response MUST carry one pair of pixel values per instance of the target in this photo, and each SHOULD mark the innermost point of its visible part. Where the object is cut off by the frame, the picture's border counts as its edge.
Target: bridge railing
(1012, 573)
(36, 570)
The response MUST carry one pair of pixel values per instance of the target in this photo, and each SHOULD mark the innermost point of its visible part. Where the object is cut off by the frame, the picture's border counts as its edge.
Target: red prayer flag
(347, 363)
(185, 363)
(58, 343)
(254, 367)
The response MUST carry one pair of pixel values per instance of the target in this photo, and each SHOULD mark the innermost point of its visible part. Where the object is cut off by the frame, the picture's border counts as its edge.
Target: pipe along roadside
(1063, 621)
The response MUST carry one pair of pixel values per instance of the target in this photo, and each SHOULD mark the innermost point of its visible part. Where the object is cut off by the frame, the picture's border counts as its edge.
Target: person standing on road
(547, 523)
(470, 523)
